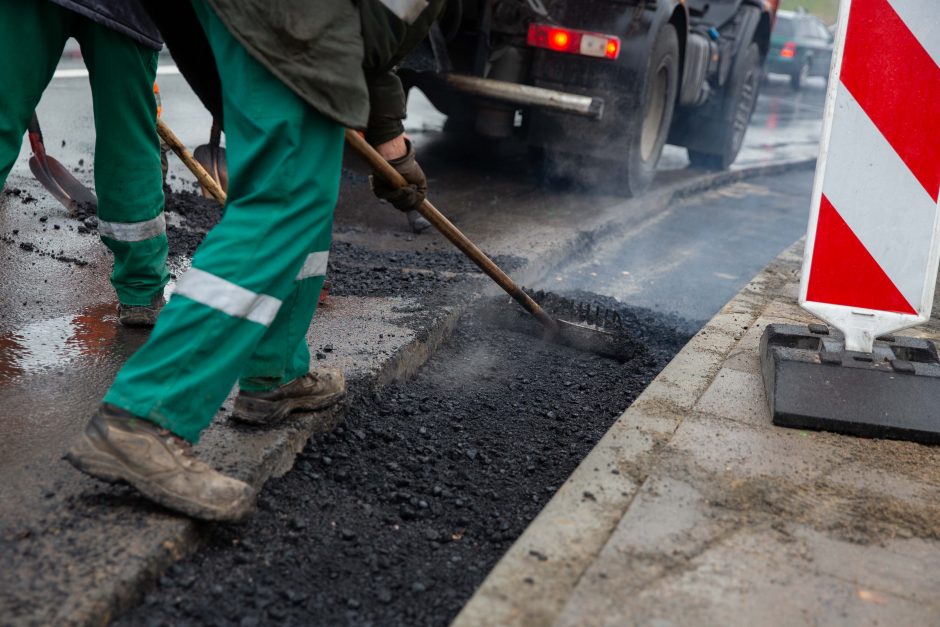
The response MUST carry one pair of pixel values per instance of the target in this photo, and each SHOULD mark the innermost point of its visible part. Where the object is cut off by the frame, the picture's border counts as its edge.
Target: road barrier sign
(873, 243)
(872, 247)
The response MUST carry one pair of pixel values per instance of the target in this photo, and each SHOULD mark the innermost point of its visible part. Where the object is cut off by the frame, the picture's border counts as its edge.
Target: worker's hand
(405, 198)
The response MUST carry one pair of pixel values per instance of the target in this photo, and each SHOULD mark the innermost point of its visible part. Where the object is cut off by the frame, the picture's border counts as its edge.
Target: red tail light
(573, 41)
(789, 50)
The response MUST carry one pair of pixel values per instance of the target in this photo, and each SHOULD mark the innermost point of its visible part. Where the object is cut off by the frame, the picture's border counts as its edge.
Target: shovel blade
(46, 179)
(70, 185)
(593, 340)
(216, 165)
(63, 186)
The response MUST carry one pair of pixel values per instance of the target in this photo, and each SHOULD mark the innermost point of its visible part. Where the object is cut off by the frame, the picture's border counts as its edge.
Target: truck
(596, 88)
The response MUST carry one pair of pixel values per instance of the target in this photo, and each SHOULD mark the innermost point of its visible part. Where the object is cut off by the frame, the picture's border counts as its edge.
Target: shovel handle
(204, 178)
(36, 143)
(451, 232)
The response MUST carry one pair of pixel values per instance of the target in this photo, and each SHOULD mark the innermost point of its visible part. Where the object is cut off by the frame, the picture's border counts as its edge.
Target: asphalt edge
(633, 211)
(102, 605)
(141, 575)
(532, 582)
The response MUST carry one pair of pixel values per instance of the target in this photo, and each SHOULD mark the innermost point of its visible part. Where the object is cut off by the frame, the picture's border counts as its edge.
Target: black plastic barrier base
(812, 382)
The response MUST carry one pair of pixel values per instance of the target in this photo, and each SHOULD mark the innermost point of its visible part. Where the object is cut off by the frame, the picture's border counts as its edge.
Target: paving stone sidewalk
(695, 510)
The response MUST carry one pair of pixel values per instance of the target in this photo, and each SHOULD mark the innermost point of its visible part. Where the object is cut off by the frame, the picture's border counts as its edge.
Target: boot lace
(180, 446)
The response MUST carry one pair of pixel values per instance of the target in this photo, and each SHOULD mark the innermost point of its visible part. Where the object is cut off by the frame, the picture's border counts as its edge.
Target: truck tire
(643, 143)
(740, 97)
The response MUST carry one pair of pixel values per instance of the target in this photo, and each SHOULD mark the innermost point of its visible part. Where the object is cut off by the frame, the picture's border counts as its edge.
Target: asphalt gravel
(354, 270)
(199, 215)
(397, 516)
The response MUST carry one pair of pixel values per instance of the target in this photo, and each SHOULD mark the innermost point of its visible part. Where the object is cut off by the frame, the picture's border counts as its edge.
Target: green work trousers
(244, 308)
(128, 179)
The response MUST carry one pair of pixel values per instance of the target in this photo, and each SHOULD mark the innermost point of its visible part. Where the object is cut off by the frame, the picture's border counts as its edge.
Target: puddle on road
(42, 345)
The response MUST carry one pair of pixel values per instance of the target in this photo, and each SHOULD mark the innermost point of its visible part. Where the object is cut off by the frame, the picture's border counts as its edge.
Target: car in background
(800, 47)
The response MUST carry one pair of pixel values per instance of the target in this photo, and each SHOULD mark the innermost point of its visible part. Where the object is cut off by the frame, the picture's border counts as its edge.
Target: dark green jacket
(338, 55)
(124, 16)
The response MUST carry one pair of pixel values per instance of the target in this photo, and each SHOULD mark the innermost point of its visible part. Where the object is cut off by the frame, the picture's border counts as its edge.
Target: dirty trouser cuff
(144, 413)
(259, 384)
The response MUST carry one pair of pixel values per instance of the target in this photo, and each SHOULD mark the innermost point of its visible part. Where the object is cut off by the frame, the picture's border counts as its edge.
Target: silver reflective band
(406, 10)
(212, 291)
(314, 265)
(133, 231)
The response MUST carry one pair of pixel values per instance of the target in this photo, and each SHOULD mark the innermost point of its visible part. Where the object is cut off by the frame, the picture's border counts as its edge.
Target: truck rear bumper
(527, 95)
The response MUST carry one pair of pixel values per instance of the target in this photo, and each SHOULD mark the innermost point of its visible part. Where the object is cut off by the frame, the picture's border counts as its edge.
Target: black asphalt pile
(355, 270)
(199, 216)
(396, 517)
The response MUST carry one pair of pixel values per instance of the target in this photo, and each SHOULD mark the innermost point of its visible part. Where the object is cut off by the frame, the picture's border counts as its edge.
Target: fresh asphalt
(60, 345)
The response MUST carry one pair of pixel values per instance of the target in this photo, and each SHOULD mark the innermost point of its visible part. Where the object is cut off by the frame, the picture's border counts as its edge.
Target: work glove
(404, 198)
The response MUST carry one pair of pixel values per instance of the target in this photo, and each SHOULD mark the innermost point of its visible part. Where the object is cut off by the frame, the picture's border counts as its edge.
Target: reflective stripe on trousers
(314, 266)
(133, 231)
(221, 295)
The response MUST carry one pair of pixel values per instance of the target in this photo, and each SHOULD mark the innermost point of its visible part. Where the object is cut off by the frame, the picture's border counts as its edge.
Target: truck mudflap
(527, 95)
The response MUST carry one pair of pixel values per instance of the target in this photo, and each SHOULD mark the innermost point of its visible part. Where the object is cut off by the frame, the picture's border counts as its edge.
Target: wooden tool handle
(204, 178)
(451, 232)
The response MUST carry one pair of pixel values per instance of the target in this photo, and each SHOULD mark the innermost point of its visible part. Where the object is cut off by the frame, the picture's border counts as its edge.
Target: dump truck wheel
(739, 102)
(646, 137)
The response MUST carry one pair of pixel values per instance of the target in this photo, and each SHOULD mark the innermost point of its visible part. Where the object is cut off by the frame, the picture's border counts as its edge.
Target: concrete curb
(121, 582)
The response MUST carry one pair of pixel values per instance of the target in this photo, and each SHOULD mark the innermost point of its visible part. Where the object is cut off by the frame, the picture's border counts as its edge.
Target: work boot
(417, 221)
(118, 446)
(319, 389)
(141, 315)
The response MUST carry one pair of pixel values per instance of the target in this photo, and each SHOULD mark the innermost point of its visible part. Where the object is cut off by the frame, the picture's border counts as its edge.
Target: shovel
(205, 179)
(55, 177)
(576, 335)
(211, 157)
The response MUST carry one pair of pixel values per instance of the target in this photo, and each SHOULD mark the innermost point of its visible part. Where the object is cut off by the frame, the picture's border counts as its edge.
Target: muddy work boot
(319, 389)
(117, 446)
(141, 315)
(418, 222)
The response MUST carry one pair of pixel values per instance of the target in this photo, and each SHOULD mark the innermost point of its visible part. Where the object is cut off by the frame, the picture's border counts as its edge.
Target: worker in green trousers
(121, 56)
(255, 280)
(241, 313)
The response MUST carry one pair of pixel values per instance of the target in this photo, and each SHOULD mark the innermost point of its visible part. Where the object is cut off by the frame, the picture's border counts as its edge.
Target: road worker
(291, 77)
(119, 44)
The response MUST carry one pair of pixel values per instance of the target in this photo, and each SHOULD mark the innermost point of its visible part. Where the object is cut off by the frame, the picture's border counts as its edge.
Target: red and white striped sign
(872, 247)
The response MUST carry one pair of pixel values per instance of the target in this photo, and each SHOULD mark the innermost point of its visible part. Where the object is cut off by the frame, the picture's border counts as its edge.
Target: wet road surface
(691, 258)
(60, 345)
(786, 125)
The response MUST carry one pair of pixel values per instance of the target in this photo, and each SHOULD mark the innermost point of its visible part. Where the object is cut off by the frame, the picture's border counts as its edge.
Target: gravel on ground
(397, 516)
